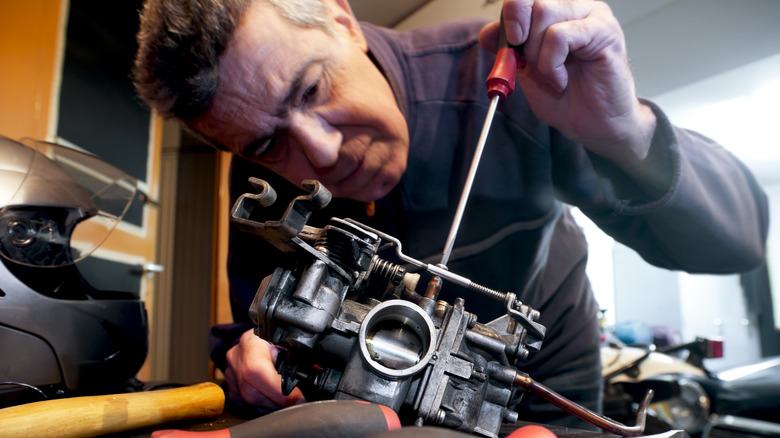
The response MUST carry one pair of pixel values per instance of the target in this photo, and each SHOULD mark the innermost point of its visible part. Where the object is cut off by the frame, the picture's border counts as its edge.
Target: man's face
(308, 105)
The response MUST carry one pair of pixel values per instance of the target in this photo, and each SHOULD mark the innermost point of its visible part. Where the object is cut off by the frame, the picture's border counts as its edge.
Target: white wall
(685, 41)
(440, 11)
(773, 257)
(744, 120)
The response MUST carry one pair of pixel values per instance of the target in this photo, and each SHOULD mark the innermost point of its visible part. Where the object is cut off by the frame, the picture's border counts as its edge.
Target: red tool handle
(501, 80)
(323, 419)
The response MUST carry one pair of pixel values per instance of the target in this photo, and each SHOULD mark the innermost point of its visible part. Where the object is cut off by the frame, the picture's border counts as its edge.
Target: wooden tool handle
(103, 414)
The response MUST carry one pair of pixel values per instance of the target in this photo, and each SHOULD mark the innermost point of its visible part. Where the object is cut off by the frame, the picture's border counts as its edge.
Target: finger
(261, 382)
(546, 14)
(244, 395)
(233, 393)
(488, 37)
(258, 381)
(589, 39)
(239, 391)
(517, 20)
(559, 40)
(254, 397)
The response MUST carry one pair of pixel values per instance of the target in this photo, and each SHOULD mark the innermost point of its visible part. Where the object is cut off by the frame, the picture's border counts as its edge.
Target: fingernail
(514, 33)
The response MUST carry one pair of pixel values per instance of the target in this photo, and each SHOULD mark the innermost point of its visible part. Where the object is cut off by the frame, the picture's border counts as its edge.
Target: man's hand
(575, 74)
(252, 378)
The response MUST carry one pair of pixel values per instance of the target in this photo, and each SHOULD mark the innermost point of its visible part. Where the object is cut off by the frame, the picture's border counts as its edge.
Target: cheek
(367, 101)
(374, 151)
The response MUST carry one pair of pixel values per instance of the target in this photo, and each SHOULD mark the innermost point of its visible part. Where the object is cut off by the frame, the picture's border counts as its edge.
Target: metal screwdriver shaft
(469, 181)
(500, 84)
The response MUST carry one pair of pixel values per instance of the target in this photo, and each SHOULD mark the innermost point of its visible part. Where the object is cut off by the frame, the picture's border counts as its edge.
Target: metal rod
(437, 270)
(598, 420)
(469, 181)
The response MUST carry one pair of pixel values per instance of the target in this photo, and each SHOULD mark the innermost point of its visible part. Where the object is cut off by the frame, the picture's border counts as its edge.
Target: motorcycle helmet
(58, 333)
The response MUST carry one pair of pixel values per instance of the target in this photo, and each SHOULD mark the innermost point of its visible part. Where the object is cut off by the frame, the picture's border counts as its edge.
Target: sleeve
(705, 211)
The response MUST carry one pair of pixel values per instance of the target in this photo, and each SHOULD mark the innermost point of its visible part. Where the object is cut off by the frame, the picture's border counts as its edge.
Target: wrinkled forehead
(255, 72)
(261, 54)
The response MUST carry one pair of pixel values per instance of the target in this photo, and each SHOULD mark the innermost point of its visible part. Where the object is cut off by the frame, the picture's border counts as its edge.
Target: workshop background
(713, 65)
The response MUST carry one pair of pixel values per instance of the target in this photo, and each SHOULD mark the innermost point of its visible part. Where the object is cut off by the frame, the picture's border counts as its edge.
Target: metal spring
(335, 245)
(389, 271)
(496, 295)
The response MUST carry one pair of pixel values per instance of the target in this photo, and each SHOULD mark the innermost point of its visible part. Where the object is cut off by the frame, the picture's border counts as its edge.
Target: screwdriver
(500, 84)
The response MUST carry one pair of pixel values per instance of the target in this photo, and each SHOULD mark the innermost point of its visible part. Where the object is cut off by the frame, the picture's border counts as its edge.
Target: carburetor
(429, 360)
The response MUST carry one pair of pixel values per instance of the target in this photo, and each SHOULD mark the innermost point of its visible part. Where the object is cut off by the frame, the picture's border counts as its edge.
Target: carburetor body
(430, 361)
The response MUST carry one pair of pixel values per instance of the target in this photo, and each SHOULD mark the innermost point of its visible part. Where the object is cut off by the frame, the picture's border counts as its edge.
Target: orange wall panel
(29, 54)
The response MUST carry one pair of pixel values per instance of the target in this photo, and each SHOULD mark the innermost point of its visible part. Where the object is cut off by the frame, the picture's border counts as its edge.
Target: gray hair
(176, 69)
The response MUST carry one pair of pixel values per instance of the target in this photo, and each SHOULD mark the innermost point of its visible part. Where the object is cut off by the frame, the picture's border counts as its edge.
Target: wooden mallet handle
(98, 415)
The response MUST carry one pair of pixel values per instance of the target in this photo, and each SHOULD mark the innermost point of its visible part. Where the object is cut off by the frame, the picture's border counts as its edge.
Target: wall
(439, 11)
(773, 191)
(29, 46)
(688, 40)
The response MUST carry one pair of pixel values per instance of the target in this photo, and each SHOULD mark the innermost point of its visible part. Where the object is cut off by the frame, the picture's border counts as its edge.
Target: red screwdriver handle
(501, 80)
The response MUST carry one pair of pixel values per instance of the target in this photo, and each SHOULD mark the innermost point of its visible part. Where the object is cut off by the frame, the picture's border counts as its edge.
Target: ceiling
(390, 13)
(385, 13)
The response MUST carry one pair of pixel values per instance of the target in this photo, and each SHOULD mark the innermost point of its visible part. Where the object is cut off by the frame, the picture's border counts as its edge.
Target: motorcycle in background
(738, 402)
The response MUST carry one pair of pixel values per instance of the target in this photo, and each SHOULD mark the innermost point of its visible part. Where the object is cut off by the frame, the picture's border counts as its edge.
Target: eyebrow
(293, 91)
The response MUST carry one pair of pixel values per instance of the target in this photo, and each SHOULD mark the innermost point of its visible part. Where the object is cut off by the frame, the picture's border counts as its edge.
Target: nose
(319, 140)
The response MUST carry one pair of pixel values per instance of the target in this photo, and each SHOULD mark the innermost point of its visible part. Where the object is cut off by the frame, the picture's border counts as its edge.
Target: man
(301, 90)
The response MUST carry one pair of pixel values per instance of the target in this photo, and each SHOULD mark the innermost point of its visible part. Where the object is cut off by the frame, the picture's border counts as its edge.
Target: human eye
(262, 148)
(310, 95)
(317, 90)
(269, 147)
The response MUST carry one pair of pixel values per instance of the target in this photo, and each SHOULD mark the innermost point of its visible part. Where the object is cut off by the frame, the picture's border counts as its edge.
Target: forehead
(260, 62)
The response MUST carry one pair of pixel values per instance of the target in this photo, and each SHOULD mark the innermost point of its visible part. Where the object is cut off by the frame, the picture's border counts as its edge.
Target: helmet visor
(59, 204)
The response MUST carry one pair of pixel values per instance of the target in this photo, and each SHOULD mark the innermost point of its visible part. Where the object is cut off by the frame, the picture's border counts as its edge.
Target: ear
(341, 13)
